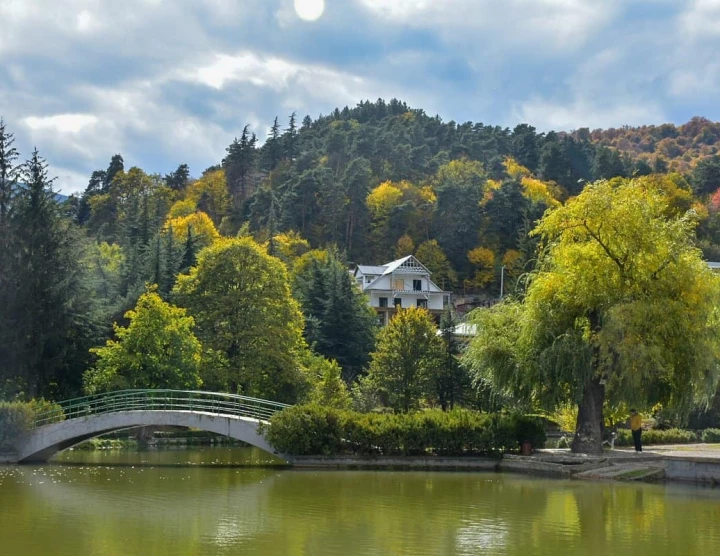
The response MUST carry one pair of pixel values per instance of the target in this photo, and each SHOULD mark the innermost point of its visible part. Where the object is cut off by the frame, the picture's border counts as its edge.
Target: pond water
(192, 502)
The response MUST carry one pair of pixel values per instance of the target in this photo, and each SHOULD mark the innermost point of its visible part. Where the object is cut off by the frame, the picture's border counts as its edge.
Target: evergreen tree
(116, 166)
(178, 180)
(9, 310)
(346, 325)
(238, 165)
(55, 321)
(190, 252)
(291, 139)
(8, 177)
(273, 149)
(451, 379)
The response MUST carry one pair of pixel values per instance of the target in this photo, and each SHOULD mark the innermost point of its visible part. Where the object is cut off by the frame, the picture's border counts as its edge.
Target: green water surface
(191, 502)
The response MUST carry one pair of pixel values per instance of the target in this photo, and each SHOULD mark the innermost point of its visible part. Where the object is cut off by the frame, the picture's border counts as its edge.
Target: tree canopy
(241, 301)
(621, 307)
(158, 349)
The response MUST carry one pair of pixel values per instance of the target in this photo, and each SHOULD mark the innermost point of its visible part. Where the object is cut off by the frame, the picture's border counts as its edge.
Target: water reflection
(222, 510)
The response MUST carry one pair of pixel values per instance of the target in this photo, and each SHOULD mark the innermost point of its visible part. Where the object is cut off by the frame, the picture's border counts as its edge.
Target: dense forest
(137, 253)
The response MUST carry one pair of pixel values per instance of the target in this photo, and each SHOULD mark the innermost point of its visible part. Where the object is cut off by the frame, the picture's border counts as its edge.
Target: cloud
(702, 19)
(61, 123)
(543, 24)
(547, 115)
(166, 82)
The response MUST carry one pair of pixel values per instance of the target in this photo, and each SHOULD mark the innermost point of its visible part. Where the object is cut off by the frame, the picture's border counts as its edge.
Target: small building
(400, 284)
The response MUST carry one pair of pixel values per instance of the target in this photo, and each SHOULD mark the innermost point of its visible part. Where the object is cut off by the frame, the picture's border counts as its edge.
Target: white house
(402, 283)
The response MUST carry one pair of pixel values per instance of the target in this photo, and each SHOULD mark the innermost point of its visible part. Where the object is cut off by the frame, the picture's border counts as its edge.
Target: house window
(398, 303)
(368, 279)
(383, 301)
(398, 284)
(422, 303)
(417, 285)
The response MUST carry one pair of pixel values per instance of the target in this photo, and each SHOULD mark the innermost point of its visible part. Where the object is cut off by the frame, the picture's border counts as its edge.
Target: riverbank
(698, 464)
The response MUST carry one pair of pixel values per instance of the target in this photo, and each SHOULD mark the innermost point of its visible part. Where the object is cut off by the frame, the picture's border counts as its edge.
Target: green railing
(159, 400)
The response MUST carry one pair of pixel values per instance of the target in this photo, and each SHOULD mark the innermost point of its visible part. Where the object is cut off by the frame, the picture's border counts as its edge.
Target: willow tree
(621, 308)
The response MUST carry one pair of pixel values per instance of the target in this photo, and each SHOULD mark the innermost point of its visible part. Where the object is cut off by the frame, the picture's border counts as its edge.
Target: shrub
(305, 430)
(15, 419)
(529, 429)
(46, 412)
(711, 435)
(315, 430)
(653, 436)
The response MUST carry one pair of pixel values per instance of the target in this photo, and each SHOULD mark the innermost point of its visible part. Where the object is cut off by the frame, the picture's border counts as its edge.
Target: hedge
(654, 436)
(17, 417)
(316, 430)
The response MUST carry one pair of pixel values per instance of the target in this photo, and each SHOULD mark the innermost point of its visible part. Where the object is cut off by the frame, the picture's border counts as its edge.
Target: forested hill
(369, 184)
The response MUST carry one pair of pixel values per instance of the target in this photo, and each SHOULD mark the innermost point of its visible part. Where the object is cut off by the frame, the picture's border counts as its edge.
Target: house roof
(371, 270)
(394, 265)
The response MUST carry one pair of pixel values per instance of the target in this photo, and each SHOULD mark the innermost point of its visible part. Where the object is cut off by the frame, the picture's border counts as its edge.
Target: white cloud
(61, 123)
(549, 115)
(301, 80)
(542, 24)
(702, 19)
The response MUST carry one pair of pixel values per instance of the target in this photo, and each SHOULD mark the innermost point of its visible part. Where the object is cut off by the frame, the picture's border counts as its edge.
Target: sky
(166, 82)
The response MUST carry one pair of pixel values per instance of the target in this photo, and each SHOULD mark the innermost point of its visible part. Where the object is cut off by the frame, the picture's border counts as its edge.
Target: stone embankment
(686, 464)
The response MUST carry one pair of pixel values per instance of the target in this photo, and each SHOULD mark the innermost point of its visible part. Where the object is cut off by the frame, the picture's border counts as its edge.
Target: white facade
(400, 284)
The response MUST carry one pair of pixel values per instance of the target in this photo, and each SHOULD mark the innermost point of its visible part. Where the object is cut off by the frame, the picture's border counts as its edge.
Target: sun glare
(309, 10)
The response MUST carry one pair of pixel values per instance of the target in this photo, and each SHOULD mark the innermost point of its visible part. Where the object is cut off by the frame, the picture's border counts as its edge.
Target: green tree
(240, 298)
(432, 256)
(343, 325)
(409, 354)
(158, 349)
(460, 186)
(451, 378)
(705, 177)
(621, 308)
(53, 311)
(329, 388)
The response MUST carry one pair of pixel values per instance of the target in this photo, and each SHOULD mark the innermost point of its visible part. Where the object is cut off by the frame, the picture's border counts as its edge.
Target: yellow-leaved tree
(621, 307)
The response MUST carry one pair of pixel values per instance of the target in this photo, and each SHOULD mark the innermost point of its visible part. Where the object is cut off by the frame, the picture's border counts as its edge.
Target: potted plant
(530, 433)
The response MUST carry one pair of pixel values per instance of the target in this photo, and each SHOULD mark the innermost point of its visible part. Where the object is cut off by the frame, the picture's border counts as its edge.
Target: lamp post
(502, 280)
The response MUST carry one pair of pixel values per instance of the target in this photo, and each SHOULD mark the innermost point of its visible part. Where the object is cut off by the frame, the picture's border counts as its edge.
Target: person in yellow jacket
(636, 428)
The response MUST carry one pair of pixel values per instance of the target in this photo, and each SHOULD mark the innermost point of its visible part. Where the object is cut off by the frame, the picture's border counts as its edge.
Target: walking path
(698, 463)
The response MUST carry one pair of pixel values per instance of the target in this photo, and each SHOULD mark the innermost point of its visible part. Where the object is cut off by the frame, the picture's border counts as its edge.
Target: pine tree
(291, 139)
(9, 311)
(451, 379)
(171, 264)
(56, 323)
(8, 176)
(190, 253)
(117, 165)
(238, 164)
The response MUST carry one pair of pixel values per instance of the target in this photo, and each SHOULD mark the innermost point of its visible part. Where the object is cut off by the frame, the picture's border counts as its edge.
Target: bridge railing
(159, 400)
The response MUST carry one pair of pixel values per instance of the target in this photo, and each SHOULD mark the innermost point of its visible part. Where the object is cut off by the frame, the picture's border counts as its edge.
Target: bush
(711, 436)
(315, 430)
(529, 429)
(16, 418)
(654, 436)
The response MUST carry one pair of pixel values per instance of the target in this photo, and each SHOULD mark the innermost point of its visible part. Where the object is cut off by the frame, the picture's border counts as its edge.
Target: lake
(194, 502)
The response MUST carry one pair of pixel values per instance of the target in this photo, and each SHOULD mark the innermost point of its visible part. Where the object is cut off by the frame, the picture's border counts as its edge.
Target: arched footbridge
(80, 419)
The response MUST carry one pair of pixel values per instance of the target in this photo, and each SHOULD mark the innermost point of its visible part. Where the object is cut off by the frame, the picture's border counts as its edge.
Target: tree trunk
(589, 429)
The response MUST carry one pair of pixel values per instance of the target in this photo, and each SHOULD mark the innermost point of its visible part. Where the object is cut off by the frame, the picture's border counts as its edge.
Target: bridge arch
(43, 442)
